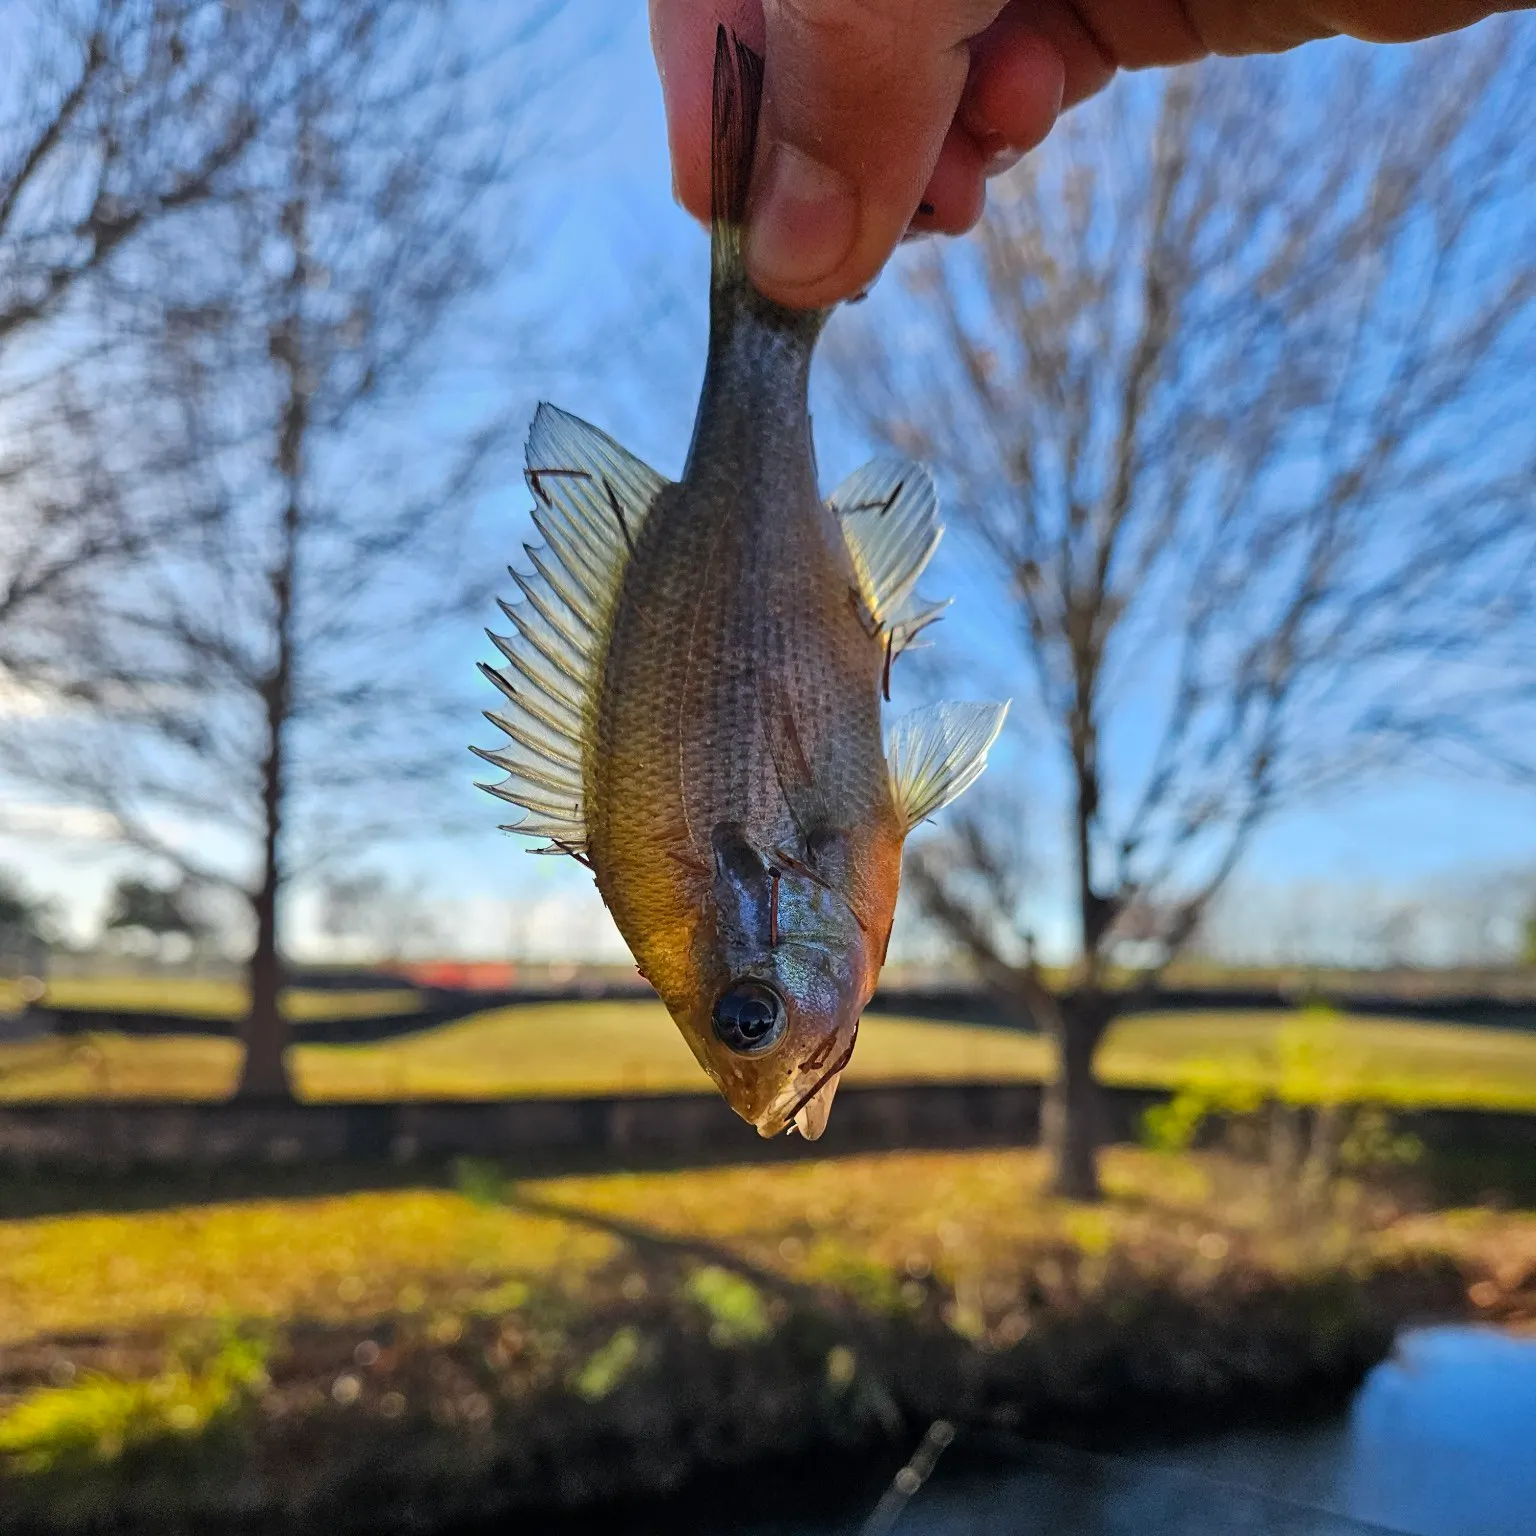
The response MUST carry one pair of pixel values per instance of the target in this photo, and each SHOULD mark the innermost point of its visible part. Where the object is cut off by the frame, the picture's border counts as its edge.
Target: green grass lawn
(622, 1047)
(1391, 1061)
(553, 1048)
(859, 1224)
(219, 999)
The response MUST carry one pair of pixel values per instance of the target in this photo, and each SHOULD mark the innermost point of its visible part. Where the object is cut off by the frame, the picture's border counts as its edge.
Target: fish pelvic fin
(889, 514)
(591, 499)
(936, 754)
(737, 102)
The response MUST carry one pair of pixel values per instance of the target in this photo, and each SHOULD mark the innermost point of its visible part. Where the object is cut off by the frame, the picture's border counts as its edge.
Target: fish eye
(749, 1017)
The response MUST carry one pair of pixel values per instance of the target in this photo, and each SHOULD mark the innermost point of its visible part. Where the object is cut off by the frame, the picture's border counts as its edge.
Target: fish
(693, 688)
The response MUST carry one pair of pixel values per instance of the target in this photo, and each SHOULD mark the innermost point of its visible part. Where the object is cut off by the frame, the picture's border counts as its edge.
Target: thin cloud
(78, 823)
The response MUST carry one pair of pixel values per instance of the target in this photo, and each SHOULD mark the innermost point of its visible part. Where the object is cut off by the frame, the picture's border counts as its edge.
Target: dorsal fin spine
(507, 646)
(554, 576)
(592, 500)
(555, 612)
(536, 625)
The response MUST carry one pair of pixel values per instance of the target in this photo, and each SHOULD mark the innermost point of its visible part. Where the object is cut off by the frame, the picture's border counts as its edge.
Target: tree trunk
(265, 1075)
(1072, 1129)
(265, 1031)
(265, 1034)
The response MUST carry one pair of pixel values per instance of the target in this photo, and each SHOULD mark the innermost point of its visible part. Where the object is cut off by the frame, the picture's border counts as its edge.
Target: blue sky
(610, 243)
(618, 214)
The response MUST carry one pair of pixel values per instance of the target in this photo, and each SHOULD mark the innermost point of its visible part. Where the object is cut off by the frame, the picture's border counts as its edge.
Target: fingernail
(803, 220)
(998, 155)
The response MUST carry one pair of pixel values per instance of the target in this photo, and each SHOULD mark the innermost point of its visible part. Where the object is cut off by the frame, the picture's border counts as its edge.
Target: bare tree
(272, 686)
(119, 116)
(25, 912)
(29, 927)
(163, 917)
(1231, 392)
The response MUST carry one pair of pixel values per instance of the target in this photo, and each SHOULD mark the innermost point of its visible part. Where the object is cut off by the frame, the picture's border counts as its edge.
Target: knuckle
(862, 28)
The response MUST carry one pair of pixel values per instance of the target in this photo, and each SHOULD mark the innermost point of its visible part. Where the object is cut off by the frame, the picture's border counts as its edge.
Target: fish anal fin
(937, 753)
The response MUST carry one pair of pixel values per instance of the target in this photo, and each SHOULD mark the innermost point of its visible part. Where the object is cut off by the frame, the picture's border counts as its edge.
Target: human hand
(882, 117)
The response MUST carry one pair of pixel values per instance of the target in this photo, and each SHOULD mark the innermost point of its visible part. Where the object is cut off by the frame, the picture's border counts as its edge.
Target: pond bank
(1436, 1442)
(300, 1365)
(409, 1426)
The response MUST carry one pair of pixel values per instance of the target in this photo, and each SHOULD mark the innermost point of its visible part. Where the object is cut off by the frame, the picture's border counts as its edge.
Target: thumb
(858, 98)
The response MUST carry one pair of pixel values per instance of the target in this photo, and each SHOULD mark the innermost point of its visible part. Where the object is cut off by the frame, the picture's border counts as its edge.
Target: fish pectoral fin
(889, 514)
(592, 498)
(788, 749)
(937, 753)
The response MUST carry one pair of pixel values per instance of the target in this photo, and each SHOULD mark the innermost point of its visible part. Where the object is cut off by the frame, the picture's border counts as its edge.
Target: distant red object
(465, 975)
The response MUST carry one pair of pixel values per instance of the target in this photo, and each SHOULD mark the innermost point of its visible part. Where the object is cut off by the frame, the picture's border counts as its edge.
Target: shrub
(99, 1417)
(1300, 1109)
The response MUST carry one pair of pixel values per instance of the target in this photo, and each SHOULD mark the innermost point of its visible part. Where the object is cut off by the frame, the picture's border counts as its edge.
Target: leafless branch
(1229, 393)
(270, 654)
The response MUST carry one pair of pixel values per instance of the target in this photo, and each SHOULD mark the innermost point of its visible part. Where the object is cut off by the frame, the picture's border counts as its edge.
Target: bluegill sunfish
(693, 689)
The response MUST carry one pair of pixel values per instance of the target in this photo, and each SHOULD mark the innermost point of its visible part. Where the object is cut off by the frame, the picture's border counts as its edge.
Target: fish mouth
(808, 1113)
(811, 1118)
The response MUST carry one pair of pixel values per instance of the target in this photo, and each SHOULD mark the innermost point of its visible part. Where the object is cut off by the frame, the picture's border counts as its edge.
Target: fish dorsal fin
(889, 512)
(937, 753)
(591, 498)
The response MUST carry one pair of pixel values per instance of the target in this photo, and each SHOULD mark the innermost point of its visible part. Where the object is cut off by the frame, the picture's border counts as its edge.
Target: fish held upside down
(693, 690)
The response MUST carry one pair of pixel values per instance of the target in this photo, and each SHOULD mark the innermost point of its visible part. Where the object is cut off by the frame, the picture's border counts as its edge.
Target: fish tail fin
(738, 98)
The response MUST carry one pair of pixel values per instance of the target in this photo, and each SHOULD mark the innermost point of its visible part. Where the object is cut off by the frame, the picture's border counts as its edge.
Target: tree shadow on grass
(60, 1192)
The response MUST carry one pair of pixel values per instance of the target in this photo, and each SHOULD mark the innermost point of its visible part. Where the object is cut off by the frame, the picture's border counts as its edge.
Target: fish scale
(694, 690)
